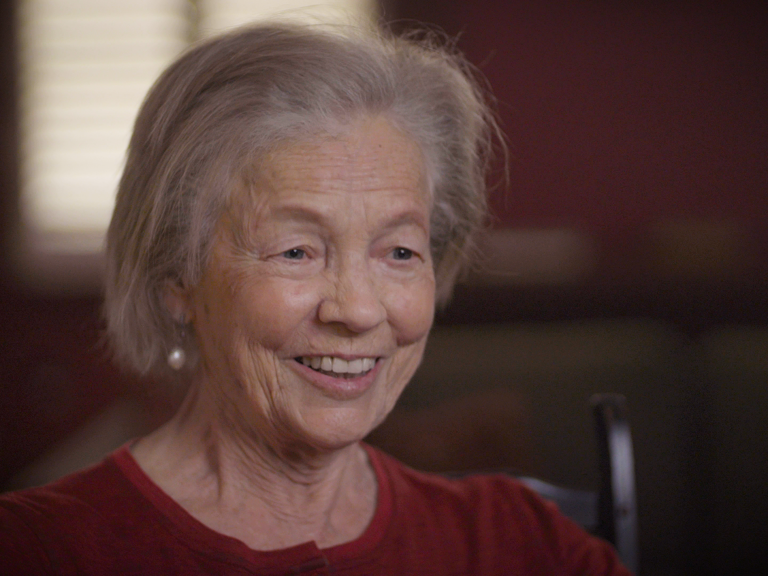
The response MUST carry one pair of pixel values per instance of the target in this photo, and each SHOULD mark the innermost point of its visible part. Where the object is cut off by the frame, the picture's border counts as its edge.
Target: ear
(178, 299)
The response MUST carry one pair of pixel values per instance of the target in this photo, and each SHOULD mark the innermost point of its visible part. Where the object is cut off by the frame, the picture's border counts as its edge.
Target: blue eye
(294, 254)
(402, 253)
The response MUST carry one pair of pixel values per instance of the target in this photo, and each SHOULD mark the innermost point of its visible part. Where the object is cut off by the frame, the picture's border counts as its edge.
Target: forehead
(368, 156)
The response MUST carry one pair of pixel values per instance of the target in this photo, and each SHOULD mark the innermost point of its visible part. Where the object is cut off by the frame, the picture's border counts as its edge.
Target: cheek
(271, 311)
(411, 310)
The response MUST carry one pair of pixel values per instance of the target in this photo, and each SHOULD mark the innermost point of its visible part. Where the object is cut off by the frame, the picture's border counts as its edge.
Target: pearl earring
(177, 357)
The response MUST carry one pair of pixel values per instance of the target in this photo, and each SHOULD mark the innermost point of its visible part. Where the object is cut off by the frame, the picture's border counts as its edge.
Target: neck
(266, 493)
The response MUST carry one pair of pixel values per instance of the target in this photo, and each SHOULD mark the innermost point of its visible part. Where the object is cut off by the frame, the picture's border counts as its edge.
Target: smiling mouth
(338, 367)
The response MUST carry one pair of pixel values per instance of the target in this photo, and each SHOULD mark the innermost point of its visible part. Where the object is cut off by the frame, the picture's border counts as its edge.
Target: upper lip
(335, 355)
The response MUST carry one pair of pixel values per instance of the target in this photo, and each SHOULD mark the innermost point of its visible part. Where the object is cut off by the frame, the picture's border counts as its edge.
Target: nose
(353, 299)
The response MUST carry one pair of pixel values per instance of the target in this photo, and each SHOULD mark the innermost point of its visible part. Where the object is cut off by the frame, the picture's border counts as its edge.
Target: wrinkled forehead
(369, 152)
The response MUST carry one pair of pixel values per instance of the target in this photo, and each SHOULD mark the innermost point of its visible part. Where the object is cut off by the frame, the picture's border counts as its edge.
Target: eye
(401, 253)
(294, 254)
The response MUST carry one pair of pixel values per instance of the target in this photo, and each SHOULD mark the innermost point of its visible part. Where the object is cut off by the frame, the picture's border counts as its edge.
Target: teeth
(355, 366)
(339, 365)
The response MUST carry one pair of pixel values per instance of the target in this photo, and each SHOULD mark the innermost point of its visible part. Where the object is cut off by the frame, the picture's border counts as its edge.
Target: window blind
(84, 68)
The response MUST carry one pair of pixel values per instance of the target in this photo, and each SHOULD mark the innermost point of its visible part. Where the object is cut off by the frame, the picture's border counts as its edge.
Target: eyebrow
(301, 213)
(407, 218)
(297, 212)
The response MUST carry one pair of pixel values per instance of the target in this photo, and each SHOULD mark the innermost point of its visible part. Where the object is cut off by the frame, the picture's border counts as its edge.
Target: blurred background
(628, 251)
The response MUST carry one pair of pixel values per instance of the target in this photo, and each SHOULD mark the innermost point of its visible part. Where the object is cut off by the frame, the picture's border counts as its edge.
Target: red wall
(641, 124)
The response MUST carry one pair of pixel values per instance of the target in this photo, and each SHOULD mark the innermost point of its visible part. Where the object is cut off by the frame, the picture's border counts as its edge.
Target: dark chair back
(611, 511)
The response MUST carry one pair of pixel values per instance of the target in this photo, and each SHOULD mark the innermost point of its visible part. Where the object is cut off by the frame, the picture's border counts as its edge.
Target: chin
(338, 428)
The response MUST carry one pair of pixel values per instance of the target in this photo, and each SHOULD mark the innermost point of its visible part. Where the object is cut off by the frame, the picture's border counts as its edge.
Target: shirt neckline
(204, 540)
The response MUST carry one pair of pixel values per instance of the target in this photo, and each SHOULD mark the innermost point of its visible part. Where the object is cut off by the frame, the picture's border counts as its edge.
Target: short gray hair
(227, 102)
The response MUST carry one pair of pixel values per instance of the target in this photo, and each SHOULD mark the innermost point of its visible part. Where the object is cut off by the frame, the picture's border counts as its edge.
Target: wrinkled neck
(226, 478)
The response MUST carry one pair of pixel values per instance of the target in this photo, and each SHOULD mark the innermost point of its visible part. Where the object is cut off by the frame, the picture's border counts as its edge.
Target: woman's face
(314, 309)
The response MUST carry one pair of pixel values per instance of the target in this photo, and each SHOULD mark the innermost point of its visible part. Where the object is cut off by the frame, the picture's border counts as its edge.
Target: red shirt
(112, 519)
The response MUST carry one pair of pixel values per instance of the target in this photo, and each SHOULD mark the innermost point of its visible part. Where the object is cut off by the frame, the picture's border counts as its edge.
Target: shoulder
(70, 496)
(496, 520)
(47, 529)
(473, 495)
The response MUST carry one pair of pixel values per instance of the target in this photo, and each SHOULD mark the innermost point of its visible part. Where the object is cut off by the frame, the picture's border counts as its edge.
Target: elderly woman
(293, 206)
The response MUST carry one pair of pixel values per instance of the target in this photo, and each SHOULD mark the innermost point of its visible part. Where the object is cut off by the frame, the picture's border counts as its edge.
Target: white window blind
(84, 68)
(218, 15)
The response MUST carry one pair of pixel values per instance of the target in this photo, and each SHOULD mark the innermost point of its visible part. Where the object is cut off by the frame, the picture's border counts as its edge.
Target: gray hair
(226, 103)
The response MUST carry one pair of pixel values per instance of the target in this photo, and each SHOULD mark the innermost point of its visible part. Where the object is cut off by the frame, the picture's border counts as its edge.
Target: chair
(610, 512)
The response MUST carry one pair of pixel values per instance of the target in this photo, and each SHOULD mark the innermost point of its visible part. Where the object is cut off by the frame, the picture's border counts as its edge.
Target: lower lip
(339, 388)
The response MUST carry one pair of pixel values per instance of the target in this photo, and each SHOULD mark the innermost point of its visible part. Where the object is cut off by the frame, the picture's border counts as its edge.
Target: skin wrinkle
(257, 439)
(190, 147)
